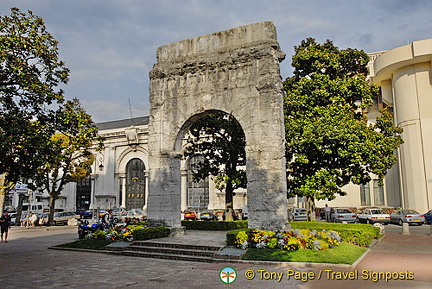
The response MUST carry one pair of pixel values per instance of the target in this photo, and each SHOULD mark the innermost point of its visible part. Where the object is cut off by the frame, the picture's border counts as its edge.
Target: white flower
(260, 245)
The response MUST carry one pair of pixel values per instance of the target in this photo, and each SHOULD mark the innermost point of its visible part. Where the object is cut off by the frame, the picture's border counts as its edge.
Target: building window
(378, 194)
(197, 192)
(365, 195)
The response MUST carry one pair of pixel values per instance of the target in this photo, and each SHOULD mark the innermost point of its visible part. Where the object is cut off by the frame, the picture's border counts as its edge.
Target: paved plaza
(26, 262)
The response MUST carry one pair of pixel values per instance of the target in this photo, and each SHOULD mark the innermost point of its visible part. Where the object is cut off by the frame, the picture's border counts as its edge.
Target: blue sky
(110, 45)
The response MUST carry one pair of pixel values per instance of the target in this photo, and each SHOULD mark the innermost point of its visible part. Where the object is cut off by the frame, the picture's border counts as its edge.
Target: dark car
(85, 214)
(428, 217)
(208, 215)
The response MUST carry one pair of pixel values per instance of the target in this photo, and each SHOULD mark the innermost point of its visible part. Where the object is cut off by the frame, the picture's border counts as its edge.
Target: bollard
(405, 229)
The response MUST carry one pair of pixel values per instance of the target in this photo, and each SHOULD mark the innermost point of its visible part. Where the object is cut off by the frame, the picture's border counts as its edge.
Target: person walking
(108, 219)
(5, 224)
(327, 211)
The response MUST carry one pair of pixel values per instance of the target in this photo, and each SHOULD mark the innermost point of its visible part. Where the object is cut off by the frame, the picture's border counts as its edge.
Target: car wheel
(369, 221)
(400, 222)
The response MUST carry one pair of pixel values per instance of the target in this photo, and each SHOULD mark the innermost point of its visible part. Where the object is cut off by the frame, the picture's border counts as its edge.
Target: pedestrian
(5, 221)
(108, 219)
(327, 211)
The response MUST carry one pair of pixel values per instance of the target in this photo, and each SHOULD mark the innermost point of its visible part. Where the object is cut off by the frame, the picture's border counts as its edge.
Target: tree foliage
(68, 158)
(220, 142)
(329, 140)
(30, 75)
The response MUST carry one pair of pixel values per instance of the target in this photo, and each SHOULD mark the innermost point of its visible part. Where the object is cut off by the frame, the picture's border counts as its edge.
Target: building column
(183, 190)
(123, 190)
(146, 175)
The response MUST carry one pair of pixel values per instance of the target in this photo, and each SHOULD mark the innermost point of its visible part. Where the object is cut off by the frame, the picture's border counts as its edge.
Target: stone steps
(162, 250)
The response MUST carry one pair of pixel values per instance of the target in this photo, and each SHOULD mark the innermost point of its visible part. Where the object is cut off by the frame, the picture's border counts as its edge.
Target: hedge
(214, 225)
(150, 233)
(231, 236)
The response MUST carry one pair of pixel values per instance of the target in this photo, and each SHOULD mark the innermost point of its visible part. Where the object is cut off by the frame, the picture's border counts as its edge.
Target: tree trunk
(310, 208)
(51, 210)
(229, 208)
(21, 198)
(2, 193)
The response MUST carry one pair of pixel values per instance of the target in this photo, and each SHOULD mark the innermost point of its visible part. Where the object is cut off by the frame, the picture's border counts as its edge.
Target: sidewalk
(401, 253)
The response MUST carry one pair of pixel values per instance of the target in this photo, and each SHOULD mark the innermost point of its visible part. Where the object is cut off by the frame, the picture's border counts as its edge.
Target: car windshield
(376, 212)
(300, 211)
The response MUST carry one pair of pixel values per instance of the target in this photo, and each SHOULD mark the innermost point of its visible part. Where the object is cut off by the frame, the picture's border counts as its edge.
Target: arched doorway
(83, 193)
(135, 184)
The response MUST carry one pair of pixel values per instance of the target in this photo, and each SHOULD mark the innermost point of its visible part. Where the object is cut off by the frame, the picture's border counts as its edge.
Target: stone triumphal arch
(235, 71)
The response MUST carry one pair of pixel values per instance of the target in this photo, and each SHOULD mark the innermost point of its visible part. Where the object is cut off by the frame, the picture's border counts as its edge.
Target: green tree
(69, 156)
(220, 142)
(329, 141)
(30, 76)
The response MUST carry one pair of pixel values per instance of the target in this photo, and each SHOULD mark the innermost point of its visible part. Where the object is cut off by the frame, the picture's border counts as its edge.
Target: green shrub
(231, 236)
(214, 225)
(150, 233)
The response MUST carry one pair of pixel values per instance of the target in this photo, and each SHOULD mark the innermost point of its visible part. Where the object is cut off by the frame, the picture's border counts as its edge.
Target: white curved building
(405, 78)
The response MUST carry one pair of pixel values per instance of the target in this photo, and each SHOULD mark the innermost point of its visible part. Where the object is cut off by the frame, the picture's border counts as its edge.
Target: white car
(373, 215)
(134, 213)
(342, 215)
(64, 217)
(297, 214)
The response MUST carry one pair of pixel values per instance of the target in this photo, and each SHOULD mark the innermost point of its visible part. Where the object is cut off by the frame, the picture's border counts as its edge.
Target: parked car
(64, 217)
(208, 215)
(85, 214)
(12, 218)
(245, 213)
(119, 211)
(190, 215)
(297, 214)
(342, 215)
(133, 213)
(428, 217)
(407, 216)
(373, 215)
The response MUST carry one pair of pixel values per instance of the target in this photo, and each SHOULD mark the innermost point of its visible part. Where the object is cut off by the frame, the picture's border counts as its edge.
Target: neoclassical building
(120, 174)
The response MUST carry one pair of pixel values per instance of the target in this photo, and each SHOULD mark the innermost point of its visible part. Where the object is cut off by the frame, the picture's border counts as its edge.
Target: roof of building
(142, 120)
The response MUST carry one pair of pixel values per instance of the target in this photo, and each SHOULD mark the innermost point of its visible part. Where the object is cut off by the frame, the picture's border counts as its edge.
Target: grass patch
(94, 244)
(343, 254)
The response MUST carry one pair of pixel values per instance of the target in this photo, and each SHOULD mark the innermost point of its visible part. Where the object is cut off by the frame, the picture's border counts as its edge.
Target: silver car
(407, 216)
(342, 215)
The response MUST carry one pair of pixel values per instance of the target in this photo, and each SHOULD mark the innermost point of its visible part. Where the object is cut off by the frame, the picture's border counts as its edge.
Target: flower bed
(290, 240)
(131, 233)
